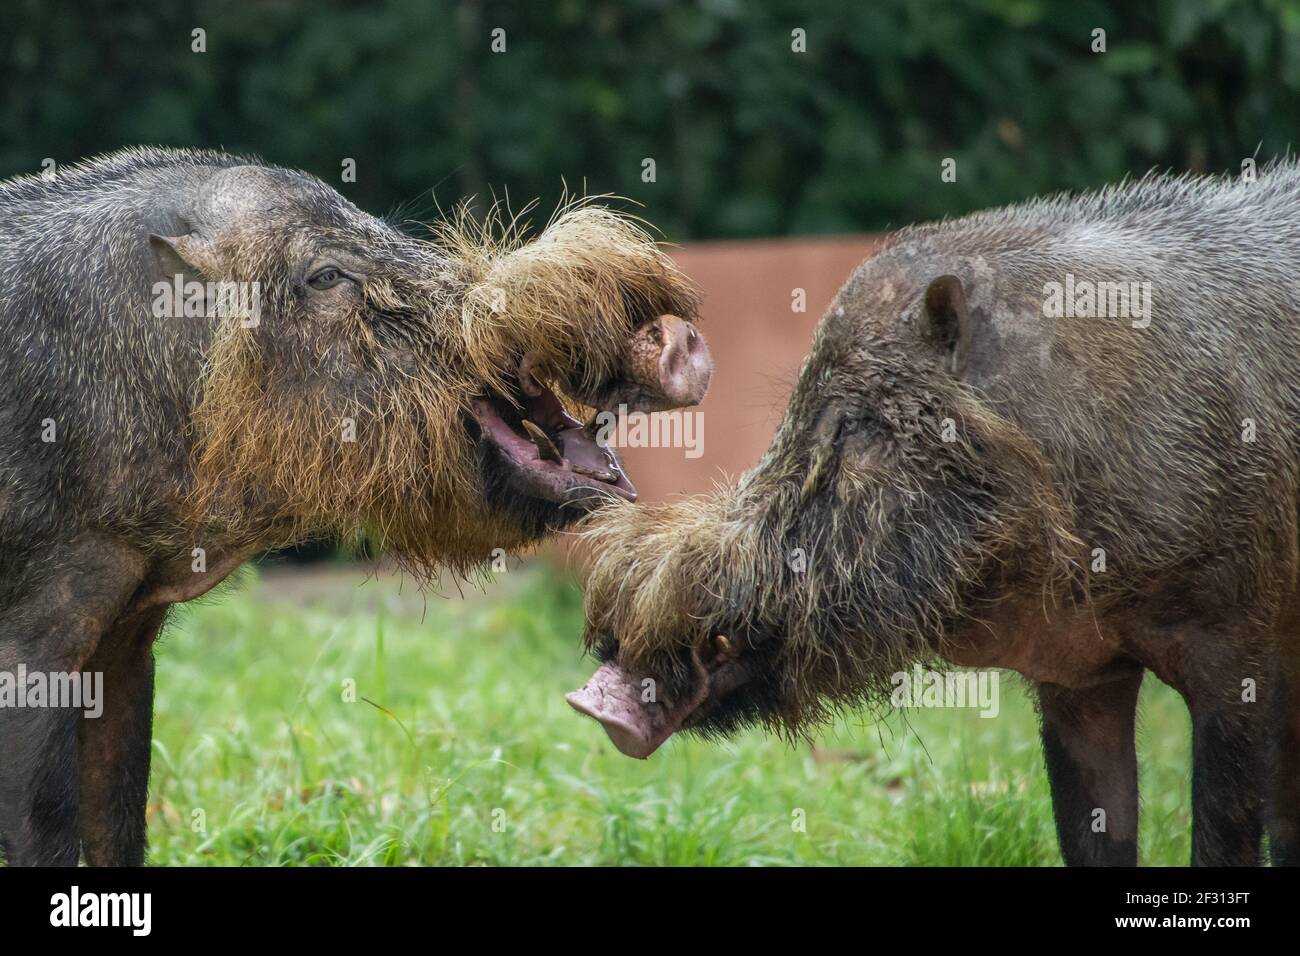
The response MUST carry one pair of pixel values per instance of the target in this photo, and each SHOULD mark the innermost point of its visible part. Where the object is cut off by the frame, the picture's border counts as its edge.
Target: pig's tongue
(636, 727)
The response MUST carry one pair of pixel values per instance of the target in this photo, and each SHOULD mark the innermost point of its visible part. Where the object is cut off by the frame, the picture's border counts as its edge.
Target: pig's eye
(326, 278)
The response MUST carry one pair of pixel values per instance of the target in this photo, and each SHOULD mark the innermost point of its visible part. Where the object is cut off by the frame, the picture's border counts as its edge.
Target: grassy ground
(469, 755)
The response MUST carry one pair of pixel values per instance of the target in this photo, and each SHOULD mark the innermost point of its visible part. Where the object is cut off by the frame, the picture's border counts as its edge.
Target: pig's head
(421, 389)
(891, 502)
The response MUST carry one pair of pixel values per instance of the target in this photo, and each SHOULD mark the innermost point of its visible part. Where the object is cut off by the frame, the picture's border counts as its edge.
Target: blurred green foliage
(748, 137)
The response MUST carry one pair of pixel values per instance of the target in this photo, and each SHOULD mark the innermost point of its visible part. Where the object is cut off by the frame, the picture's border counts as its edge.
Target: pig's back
(80, 348)
(1176, 439)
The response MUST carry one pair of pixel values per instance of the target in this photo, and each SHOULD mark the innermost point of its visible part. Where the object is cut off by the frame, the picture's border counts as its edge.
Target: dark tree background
(748, 137)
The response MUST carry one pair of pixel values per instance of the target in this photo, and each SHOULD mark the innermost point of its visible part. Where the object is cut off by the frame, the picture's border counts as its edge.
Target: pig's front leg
(38, 786)
(117, 743)
(1091, 755)
(60, 605)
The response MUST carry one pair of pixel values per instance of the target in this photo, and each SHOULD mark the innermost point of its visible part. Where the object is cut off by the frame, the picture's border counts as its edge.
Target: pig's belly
(1064, 646)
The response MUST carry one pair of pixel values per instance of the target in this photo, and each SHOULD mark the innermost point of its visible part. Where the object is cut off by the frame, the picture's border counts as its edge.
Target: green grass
(469, 754)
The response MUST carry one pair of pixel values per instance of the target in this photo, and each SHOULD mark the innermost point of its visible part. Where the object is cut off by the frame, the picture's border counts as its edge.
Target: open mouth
(550, 454)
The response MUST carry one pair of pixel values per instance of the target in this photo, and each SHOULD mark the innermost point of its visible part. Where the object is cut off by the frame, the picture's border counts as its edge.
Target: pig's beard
(277, 463)
(824, 627)
(888, 568)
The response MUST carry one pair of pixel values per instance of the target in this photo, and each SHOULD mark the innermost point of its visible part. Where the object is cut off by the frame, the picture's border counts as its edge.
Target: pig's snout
(636, 726)
(637, 722)
(671, 360)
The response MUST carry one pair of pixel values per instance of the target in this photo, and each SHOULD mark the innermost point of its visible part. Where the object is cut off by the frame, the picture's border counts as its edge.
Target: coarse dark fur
(144, 457)
(1077, 499)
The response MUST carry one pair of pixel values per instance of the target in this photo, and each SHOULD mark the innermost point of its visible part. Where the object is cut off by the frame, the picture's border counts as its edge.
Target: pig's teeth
(596, 473)
(545, 447)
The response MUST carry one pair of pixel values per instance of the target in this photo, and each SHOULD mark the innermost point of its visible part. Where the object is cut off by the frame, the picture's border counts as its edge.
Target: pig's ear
(189, 252)
(947, 322)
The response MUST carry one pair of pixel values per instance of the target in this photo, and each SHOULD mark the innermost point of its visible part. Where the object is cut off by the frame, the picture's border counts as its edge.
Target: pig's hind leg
(1284, 819)
(1231, 688)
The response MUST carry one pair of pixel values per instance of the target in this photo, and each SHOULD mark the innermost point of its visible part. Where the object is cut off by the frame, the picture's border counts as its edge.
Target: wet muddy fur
(962, 476)
(145, 456)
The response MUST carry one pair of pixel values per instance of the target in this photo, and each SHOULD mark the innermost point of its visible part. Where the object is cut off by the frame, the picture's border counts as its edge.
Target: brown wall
(758, 344)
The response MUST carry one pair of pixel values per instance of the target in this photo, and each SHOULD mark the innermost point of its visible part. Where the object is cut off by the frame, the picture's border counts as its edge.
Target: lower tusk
(545, 447)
